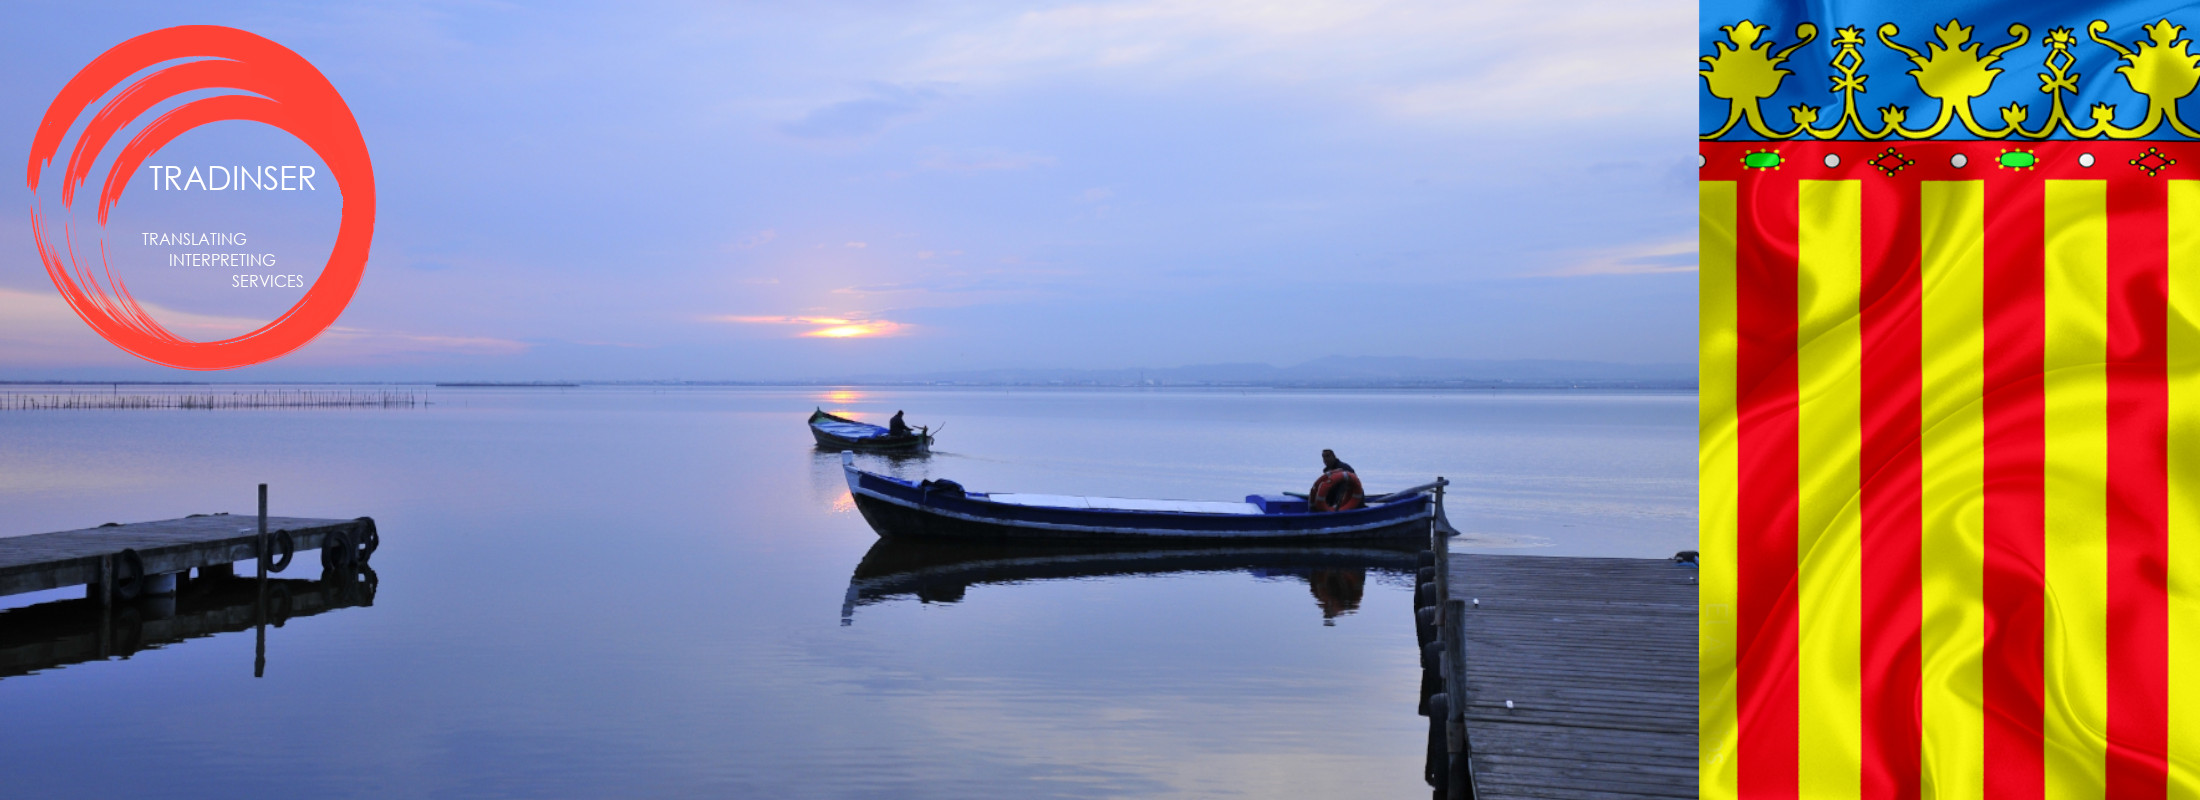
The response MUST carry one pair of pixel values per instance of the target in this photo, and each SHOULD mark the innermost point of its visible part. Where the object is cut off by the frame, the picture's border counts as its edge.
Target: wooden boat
(842, 433)
(940, 571)
(944, 509)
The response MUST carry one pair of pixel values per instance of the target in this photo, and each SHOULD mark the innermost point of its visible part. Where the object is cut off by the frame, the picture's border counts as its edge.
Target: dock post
(259, 608)
(1442, 548)
(1454, 660)
(260, 549)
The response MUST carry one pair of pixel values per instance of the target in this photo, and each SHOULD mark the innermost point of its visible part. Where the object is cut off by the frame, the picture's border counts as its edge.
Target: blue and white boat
(944, 509)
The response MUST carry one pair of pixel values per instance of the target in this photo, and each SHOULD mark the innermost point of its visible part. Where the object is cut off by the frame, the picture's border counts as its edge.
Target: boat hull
(894, 508)
(878, 440)
(913, 443)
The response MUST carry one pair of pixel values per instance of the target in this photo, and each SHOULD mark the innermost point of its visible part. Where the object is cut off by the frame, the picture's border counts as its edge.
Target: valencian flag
(1950, 453)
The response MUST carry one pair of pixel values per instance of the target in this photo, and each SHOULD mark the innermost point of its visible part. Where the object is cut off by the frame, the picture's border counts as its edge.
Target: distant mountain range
(1332, 371)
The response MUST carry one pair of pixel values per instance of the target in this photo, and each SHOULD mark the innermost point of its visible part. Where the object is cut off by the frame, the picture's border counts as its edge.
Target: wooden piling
(260, 555)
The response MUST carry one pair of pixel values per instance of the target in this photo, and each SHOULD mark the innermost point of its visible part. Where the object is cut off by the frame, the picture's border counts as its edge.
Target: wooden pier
(130, 558)
(1559, 677)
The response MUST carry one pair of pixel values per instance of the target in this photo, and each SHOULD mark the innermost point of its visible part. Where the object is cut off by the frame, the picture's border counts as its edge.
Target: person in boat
(1338, 489)
(896, 427)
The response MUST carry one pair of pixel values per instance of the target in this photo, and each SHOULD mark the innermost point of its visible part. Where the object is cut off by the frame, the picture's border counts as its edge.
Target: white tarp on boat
(1124, 503)
(849, 430)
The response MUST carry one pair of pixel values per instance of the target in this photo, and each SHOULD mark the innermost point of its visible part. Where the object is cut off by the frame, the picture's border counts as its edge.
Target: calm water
(641, 592)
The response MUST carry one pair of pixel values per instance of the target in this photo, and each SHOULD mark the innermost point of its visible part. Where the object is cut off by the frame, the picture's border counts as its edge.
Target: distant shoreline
(507, 385)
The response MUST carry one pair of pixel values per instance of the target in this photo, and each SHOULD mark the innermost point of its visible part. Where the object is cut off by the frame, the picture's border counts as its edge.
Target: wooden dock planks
(1598, 656)
(68, 558)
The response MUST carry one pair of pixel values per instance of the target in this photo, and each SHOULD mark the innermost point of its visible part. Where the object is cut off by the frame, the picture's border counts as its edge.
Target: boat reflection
(57, 634)
(935, 571)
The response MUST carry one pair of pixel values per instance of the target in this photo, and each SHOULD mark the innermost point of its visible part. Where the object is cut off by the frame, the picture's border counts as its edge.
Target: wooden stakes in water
(286, 398)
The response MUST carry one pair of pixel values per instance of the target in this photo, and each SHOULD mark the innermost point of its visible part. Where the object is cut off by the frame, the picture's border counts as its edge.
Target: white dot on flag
(2085, 159)
(1958, 161)
(1833, 160)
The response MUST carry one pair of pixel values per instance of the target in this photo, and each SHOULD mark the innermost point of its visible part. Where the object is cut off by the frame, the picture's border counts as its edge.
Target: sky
(706, 191)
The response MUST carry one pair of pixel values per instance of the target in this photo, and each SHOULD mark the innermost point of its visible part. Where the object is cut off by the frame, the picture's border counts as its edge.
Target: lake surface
(646, 592)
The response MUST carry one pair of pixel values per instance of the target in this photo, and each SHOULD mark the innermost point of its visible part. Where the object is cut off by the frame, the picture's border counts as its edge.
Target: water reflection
(57, 634)
(547, 643)
(829, 484)
(1337, 591)
(942, 571)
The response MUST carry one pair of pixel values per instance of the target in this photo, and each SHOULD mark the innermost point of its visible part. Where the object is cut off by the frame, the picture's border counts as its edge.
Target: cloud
(1510, 62)
(1653, 258)
(342, 341)
(39, 329)
(857, 245)
(753, 241)
(961, 288)
(940, 286)
(849, 119)
(825, 327)
(984, 161)
(43, 316)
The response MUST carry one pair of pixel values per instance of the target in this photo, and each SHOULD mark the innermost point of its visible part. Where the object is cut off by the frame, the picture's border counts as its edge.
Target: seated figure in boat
(896, 427)
(1338, 489)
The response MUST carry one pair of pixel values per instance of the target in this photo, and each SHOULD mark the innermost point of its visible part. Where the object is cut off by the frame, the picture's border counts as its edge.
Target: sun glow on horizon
(844, 332)
(835, 327)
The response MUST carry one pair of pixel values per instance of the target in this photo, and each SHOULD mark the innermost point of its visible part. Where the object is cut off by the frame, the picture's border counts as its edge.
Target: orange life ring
(1336, 490)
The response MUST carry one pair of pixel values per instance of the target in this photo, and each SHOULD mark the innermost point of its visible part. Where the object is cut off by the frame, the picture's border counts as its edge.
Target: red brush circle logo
(285, 91)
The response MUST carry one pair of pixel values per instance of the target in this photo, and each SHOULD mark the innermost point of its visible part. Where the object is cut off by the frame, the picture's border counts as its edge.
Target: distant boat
(944, 509)
(842, 433)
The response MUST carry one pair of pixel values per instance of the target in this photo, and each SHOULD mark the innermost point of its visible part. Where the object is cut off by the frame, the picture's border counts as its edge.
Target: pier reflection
(940, 572)
(57, 634)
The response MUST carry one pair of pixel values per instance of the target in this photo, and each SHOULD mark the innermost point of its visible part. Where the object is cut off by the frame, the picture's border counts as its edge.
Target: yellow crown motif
(1745, 71)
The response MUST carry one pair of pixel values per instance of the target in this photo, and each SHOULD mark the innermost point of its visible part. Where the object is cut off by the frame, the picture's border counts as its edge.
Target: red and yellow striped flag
(1950, 455)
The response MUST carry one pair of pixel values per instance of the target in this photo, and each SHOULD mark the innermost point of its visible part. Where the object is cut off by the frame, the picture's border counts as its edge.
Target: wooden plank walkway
(69, 558)
(1598, 656)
